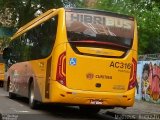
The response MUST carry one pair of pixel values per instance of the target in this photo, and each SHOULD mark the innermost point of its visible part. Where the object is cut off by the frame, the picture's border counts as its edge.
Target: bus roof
(27, 27)
(101, 12)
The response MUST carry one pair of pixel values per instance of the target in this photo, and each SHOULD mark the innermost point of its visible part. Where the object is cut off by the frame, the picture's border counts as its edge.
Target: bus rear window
(92, 26)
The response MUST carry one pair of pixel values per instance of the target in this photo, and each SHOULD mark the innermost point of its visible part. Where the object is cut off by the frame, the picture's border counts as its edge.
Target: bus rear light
(133, 80)
(61, 69)
(64, 65)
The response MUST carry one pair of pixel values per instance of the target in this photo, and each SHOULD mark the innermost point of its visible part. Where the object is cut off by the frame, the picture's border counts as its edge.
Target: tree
(16, 13)
(147, 14)
(22, 11)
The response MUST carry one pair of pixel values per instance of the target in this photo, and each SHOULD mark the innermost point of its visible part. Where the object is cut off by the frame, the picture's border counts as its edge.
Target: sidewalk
(140, 107)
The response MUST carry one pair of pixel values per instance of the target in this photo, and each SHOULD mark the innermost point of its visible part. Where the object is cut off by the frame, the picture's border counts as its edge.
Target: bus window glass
(101, 28)
(42, 38)
(15, 48)
(36, 43)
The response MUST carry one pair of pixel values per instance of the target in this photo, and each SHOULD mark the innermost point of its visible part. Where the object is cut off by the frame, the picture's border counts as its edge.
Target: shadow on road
(61, 111)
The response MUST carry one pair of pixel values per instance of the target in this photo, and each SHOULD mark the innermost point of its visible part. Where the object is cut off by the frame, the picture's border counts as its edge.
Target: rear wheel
(89, 109)
(12, 95)
(1, 83)
(32, 101)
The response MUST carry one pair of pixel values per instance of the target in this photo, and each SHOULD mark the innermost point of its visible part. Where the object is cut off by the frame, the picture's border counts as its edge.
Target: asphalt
(141, 110)
(139, 107)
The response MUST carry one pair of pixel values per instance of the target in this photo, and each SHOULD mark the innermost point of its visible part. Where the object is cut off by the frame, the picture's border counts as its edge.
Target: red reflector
(61, 69)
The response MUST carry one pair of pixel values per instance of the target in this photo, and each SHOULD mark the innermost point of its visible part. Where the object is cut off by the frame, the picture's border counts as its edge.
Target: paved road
(19, 109)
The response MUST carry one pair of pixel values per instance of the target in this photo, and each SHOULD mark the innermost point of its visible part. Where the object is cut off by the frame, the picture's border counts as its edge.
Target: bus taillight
(132, 82)
(61, 69)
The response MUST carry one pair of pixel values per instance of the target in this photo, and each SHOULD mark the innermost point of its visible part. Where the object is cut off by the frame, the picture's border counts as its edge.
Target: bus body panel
(37, 70)
(2, 71)
(20, 74)
(62, 94)
(17, 75)
(96, 73)
(93, 76)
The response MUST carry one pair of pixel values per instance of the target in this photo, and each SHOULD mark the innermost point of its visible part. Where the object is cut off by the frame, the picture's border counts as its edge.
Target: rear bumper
(62, 94)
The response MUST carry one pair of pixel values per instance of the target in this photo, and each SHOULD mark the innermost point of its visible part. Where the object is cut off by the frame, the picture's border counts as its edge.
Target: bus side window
(15, 51)
(32, 40)
(48, 31)
(38, 42)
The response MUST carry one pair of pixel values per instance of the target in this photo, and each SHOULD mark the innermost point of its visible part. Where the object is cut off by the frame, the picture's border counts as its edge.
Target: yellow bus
(77, 57)
(2, 70)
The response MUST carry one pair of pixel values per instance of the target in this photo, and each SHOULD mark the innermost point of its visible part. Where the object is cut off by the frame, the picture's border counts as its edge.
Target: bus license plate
(96, 102)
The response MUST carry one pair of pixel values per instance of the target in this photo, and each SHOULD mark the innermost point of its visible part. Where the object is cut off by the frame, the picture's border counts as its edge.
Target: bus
(2, 70)
(80, 57)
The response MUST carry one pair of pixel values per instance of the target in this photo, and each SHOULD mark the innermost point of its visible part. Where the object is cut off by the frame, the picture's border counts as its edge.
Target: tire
(1, 83)
(7, 86)
(12, 95)
(32, 101)
(89, 109)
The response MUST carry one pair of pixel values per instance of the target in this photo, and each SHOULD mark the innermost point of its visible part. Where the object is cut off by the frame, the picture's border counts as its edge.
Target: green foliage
(147, 14)
(4, 41)
(24, 10)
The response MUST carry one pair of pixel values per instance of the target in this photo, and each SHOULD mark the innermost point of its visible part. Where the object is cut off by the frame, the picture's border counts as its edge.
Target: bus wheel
(12, 95)
(32, 101)
(89, 109)
(1, 83)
